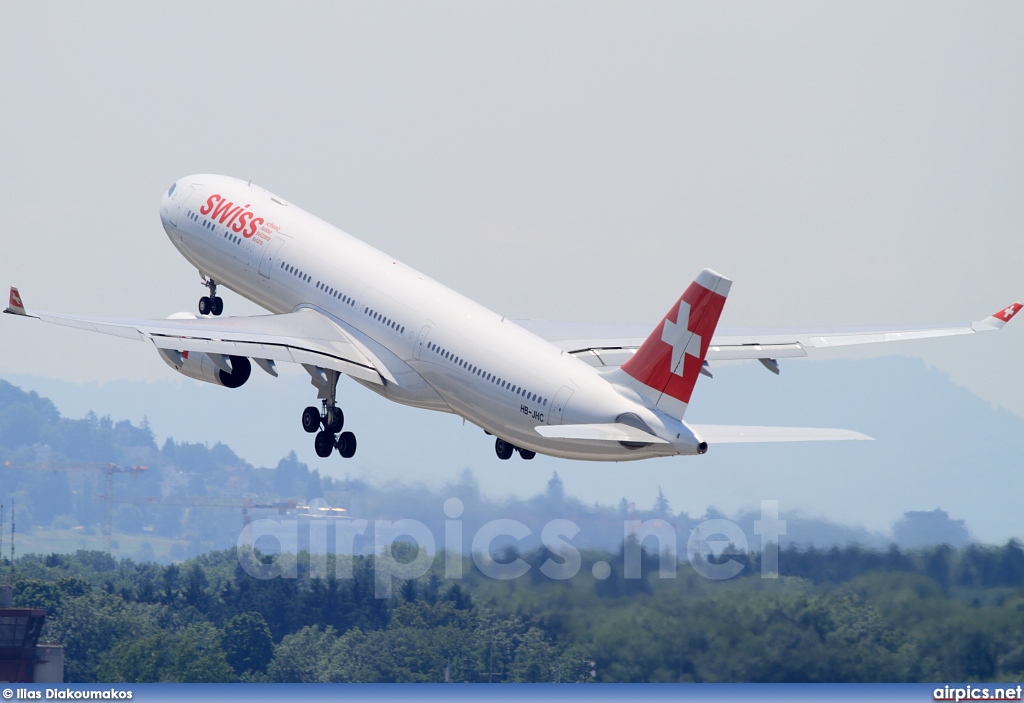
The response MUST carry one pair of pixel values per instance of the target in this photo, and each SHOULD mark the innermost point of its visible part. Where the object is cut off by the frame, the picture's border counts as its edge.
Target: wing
(611, 345)
(303, 337)
(731, 434)
(713, 434)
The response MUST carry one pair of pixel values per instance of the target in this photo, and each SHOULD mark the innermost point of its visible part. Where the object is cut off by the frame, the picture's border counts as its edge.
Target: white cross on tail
(682, 341)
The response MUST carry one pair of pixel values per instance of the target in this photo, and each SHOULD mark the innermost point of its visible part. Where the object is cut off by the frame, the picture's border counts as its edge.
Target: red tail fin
(667, 365)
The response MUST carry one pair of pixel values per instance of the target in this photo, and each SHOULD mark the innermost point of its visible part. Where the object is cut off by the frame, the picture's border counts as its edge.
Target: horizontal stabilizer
(607, 432)
(730, 434)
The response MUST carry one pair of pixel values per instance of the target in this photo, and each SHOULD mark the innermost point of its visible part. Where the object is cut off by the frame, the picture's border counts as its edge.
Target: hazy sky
(844, 164)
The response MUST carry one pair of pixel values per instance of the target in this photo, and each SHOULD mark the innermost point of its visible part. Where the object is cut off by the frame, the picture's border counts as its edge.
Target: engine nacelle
(229, 371)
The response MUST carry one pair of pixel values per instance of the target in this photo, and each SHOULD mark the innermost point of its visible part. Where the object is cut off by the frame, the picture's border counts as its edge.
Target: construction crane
(109, 499)
(108, 471)
(246, 504)
(191, 502)
(11, 579)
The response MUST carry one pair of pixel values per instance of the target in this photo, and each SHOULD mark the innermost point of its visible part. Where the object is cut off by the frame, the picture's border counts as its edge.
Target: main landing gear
(331, 419)
(504, 450)
(212, 304)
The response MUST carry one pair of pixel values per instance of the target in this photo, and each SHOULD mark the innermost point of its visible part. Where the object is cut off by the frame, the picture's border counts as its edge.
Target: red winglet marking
(15, 301)
(1008, 312)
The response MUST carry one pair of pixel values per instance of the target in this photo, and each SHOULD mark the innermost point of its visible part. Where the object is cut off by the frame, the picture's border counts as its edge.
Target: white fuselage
(447, 352)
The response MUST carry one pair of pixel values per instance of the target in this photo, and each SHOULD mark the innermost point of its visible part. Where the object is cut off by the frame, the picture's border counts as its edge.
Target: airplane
(339, 306)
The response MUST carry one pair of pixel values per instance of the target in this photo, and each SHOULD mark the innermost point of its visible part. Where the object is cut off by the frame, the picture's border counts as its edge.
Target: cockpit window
(171, 191)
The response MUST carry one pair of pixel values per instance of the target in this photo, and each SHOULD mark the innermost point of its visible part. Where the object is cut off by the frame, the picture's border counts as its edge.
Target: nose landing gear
(212, 304)
(331, 419)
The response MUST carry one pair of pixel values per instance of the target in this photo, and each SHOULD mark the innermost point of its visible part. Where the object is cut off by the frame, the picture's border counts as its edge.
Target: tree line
(837, 615)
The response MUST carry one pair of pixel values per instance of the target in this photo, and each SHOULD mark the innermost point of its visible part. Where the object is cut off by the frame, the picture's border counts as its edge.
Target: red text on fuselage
(237, 218)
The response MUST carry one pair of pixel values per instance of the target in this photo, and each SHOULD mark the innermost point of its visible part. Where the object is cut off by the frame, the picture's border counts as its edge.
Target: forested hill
(838, 614)
(33, 431)
(60, 510)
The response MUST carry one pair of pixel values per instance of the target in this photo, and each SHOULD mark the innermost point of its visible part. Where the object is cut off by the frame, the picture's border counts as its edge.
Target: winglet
(997, 319)
(15, 306)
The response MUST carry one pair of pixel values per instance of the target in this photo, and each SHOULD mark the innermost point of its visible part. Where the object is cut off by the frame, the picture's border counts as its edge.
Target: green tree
(90, 625)
(195, 655)
(191, 655)
(422, 643)
(303, 656)
(247, 643)
(535, 659)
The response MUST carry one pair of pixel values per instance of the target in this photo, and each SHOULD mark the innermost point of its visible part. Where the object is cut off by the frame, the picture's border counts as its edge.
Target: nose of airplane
(169, 195)
(166, 201)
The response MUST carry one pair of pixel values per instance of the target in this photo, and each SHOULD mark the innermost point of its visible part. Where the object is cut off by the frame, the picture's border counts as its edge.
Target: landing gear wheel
(337, 420)
(503, 449)
(327, 423)
(527, 454)
(347, 445)
(210, 304)
(324, 444)
(311, 419)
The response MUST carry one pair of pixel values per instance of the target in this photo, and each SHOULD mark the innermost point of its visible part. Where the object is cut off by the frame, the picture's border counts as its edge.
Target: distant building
(930, 528)
(22, 658)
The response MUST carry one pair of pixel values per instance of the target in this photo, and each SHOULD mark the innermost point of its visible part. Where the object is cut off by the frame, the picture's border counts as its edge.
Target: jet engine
(223, 370)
